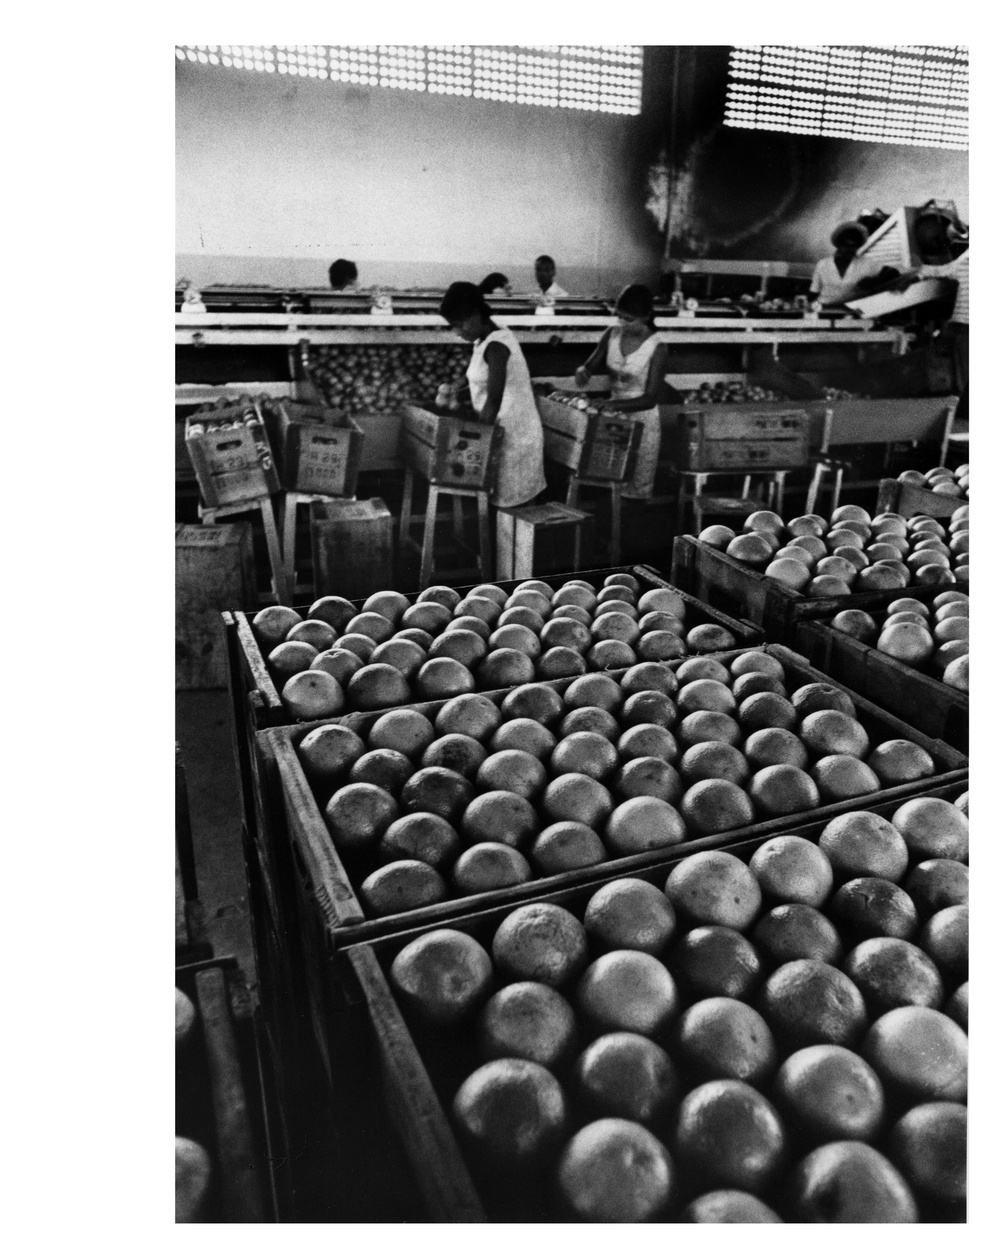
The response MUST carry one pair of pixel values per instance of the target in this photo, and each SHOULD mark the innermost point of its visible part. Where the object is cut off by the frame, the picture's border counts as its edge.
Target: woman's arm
(496, 360)
(596, 362)
(654, 379)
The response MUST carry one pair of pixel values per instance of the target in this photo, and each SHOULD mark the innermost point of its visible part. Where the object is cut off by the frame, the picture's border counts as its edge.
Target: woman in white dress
(500, 391)
(635, 359)
(844, 275)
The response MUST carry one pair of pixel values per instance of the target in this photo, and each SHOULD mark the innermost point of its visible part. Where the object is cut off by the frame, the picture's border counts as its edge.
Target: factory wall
(277, 177)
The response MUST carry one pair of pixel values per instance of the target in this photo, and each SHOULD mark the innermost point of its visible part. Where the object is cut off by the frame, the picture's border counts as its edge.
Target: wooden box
(318, 449)
(536, 538)
(214, 570)
(601, 445)
(910, 499)
(351, 547)
(913, 694)
(732, 586)
(447, 449)
(735, 438)
(423, 1068)
(232, 464)
(329, 886)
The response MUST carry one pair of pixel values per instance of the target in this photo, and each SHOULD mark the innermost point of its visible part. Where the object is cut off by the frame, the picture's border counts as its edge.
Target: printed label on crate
(204, 536)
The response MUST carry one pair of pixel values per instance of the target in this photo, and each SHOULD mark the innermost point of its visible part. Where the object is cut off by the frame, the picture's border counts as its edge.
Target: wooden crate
(268, 709)
(318, 449)
(732, 586)
(352, 547)
(449, 449)
(423, 1068)
(329, 888)
(601, 444)
(912, 694)
(218, 1097)
(214, 569)
(910, 499)
(737, 438)
(534, 538)
(232, 465)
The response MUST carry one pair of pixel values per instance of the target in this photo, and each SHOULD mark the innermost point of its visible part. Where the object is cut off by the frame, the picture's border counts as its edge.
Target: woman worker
(500, 390)
(635, 359)
(844, 275)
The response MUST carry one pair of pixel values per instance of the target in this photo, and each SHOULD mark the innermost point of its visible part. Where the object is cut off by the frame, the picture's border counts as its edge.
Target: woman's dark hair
(636, 301)
(493, 282)
(343, 272)
(462, 299)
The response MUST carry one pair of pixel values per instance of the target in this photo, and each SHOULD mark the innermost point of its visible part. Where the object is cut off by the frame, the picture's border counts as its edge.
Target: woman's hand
(582, 376)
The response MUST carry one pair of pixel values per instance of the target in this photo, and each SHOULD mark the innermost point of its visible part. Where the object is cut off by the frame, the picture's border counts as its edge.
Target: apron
(519, 476)
(628, 381)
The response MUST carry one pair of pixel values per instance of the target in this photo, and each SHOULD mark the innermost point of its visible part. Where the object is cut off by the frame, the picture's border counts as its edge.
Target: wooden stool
(743, 506)
(288, 526)
(456, 494)
(573, 494)
(209, 516)
(518, 530)
(821, 467)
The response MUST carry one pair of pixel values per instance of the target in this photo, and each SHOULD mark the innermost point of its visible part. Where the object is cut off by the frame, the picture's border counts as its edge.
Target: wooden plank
(428, 1140)
(214, 570)
(910, 499)
(352, 547)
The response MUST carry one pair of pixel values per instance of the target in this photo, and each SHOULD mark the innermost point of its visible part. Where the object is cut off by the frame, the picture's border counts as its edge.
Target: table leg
(814, 485)
(290, 507)
(616, 522)
(458, 517)
(427, 555)
(281, 588)
(485, 545)
(407, 509)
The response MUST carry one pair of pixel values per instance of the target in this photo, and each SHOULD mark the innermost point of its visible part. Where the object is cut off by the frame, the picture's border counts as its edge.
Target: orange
(907, 642)
(810, 523)
(312, 695)
(588, 753)
(401, 885)
(534, 701)
(571, 613)
(443, 678)
(518, 638)
(333, 609)
(630, 914)
(402, 730)
(789, 572)
(870, 907)
(715, 805)
(933, 829)
(707, 638)
(490, 591)
(388, 603)
(648, 707)
(616, 1172)
(289, 658)
(594, 690)
(443, 976)
(750, 549)
(791, 869)
(831, 1094)
(627, 990)
(489, 866)
(511, 1113)
(438, 790)
(615, 626)
(714, 887)
(445, 595)
(485, 607)
(458, 752)
(728, 1206)
(358, 814)
(401, 654)
(643, 823)
(618, 590)
(566, 845)
(766, 710)
(892, 973)
(329, 751)
(883, 577)
(756, 683)
(429, 616)
(642, 740)
(574, 796)
(837, 566)
(899, 760)
(560, 662)
(540, 942)
(608, 654)
(627, 1075)
(471, 624)
(527, 617)
(956, 673)
(929, 1145)
(522, 734)
(420, 835)
(516, 771)
(920, 1052)
(699, 667)
(722, 1037)
(833, 733)
(193, 1174)
(372, 624)
(774, 746)
(648, 775)
(945, 938)
(840, 777)
(662, 622)
(705, 695)
(957, 1007)
(660, 644)
(764, 520)
(714, 959)
(936, 884)
(719, 536)
(807, 1001)
(535, 600)
(471, 714)
(709, 727)
(625, 606)
(848, 1182)
(780, 789)
(664, 599)
(729, 1134)
(322, 636)
(579, 596)
(527, 1021)
(560, 632)
(824, 585)
(271, 625)
(500, 816)
(454, 644)
(812, 544)
(377, 686)
(589, 720)
(756, 662)
(504, 667)
(386, 769)
(339, 663)
(818, 696)
(420, 636)
(796, 931)
(714, 759)
(185, 1017)
(864, 844)
(623, 579)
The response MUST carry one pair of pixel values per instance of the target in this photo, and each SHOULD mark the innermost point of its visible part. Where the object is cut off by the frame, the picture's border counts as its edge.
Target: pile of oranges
(779, 1040)
(931, 636)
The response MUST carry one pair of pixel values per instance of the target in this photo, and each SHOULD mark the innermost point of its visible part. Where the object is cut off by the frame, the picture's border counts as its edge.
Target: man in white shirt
(545, 273)
(842, 276)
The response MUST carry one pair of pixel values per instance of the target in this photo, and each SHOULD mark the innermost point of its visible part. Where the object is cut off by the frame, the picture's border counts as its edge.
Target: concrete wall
(277, 177)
